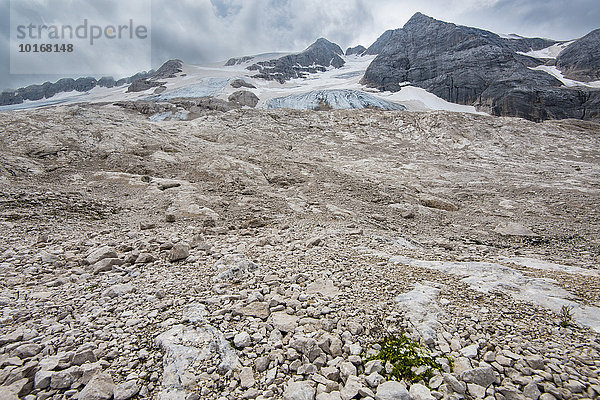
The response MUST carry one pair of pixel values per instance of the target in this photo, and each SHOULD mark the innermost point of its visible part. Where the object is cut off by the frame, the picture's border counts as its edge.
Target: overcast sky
(204, 31)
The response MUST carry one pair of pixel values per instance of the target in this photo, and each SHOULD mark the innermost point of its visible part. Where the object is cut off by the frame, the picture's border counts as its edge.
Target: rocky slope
(471, 66)
(259, 254)
(581, 60)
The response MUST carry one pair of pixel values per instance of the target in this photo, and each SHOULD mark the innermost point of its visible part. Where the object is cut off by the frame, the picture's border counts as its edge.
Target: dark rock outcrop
(143, 84)
(107, 82)
(238, 83)
(244, 98)
(315, 58)
(85, 84)
(32, 92)
(475, 67)
(62, 85)
(10, 98)
(238, 60)
(170, 69)
(48, 89)
(581, 60)
(358, 50)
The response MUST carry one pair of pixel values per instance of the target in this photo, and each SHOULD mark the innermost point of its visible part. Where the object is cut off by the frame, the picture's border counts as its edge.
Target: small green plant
(406, 357)
(566, 316)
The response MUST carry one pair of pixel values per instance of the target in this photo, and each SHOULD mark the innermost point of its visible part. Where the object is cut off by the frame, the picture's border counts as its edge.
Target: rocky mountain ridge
(471, 66)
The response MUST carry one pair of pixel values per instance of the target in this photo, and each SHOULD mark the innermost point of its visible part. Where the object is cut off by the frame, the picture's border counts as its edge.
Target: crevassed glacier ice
(335, 98)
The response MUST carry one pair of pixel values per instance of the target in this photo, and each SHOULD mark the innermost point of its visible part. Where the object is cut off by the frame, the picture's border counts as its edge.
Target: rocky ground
(260, 254)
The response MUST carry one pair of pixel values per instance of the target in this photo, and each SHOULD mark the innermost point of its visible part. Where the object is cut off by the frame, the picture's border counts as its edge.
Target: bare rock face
(143, 84)
(315, 58)
(170, 69)
(358, 50)
(581, 60)
(475, 67)
(244, 98)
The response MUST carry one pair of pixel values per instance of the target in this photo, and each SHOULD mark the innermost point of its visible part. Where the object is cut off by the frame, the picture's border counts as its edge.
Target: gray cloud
(203, 31)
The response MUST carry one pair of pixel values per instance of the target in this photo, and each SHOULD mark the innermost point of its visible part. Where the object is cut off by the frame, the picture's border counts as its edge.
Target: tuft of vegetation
(566, 316)
(406, 357)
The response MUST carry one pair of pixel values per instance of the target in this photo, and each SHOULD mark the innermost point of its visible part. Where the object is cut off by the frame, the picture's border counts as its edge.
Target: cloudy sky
(203, 31)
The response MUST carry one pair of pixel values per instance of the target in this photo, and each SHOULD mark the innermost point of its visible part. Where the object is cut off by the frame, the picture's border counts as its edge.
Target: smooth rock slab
(187, 346)
(283, 321)
(392, 390)
(299, 391)
(325, 287)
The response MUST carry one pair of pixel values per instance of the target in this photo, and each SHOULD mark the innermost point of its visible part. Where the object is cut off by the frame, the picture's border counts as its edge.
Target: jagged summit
(315, 58)
(419, 19)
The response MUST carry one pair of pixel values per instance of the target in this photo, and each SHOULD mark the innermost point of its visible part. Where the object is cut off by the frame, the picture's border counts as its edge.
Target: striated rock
(440, 204)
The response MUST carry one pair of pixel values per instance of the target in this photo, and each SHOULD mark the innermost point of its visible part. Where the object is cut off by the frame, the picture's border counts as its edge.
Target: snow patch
(549, 52)
(486, 277)
(555, 72)
(418, 99)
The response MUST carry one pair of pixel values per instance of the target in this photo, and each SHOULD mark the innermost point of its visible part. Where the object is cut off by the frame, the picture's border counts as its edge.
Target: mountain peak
(419, 19)
(322, 43)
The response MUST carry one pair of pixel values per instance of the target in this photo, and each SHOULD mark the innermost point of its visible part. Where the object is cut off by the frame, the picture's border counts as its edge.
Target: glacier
(335, 98)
